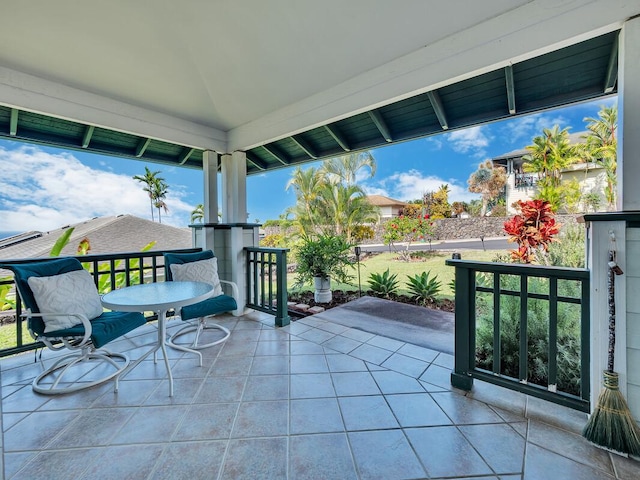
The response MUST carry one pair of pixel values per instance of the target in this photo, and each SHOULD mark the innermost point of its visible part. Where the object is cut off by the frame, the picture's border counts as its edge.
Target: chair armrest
(234, 288)
(88, 328)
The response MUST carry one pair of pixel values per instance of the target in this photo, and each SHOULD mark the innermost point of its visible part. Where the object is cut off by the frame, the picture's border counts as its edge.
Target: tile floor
(313, 400)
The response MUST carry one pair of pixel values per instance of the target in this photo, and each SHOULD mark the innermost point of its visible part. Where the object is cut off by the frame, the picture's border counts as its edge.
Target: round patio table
(159, 298)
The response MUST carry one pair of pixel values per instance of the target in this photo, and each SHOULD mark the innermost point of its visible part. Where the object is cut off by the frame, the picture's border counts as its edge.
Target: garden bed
(340, 297)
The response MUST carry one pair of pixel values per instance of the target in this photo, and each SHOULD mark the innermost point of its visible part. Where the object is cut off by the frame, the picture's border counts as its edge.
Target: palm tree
(345, 169)
(601, 147)
(306, 184)
(148, 179)
(197, 215)
(550, 154)
(159, 193)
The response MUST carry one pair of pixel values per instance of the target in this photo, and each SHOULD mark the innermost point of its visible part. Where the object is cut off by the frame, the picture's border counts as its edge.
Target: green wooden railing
(267, 282)
(501, 312)
(109, 272)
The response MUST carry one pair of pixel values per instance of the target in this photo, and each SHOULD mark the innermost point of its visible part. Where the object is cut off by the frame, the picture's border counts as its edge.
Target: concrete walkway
(421, 326)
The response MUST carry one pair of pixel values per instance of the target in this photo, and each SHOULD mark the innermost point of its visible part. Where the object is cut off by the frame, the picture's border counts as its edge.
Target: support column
(629, 200)
(629, 116)
(234, 187)
(202, 234)
(210, 171)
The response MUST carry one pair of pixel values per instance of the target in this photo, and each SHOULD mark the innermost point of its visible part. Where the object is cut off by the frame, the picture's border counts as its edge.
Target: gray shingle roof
(122, 233)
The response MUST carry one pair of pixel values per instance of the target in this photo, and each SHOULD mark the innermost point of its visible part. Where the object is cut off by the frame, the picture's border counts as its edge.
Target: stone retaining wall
(455, 228)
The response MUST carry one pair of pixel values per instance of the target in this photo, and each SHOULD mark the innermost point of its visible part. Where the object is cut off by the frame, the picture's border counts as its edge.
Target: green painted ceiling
(580, 72)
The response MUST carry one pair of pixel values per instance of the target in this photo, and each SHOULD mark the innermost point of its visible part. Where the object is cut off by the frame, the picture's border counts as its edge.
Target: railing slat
(524, 348)
(553, 333)
(496, 324)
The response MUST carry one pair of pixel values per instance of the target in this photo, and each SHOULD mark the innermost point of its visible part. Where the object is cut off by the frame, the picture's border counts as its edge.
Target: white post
(234, 188)
(210, 171)
(629, 116)
(629, 199)
(234, 213)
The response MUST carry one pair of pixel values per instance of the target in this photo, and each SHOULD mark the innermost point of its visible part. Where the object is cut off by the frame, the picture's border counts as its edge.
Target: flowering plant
(407, 230)
(532, 229)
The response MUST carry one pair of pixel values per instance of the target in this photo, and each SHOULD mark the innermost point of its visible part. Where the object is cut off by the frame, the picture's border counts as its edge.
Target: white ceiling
(246, 71)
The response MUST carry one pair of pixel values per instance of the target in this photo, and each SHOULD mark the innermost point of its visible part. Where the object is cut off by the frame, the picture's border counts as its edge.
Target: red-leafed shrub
(533, 229)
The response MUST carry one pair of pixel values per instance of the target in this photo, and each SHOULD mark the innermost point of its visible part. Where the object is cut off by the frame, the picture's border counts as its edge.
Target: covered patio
(241, 88)
(311, 400)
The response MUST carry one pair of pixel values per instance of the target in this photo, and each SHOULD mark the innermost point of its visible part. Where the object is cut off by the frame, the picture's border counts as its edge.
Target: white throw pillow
(201, 271)
(72, 292)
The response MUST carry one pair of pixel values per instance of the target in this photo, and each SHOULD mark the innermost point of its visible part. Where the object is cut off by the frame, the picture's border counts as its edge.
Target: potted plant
(321, 258)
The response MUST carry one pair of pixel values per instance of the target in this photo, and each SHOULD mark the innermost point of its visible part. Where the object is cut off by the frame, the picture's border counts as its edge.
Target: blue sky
(45, 188)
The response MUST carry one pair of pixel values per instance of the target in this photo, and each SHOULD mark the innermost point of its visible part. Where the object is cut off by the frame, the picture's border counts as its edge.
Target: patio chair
(63, 311)
(200, 267)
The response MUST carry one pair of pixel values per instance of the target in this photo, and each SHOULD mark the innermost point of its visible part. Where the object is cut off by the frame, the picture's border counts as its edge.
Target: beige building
(522, 186)
(388, 206)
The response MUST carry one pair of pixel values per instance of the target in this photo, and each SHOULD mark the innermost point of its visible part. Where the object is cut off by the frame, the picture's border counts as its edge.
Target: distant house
(522, 186)
(122, 233)
(388, 206)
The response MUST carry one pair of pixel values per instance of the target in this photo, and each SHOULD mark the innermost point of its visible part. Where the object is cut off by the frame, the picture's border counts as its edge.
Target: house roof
(122, 233)
(288, 81)
(382, 201)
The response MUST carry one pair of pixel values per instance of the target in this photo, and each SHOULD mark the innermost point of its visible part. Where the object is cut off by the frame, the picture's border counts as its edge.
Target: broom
(611, 425)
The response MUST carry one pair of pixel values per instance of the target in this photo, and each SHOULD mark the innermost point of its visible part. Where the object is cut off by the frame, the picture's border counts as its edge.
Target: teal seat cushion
(106, 327)
(210, 306)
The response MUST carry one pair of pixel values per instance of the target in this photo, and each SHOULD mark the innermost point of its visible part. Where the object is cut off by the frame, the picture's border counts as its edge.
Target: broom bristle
(611, 424)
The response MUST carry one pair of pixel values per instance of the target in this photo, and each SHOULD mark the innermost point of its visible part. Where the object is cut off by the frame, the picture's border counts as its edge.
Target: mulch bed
(340, 297)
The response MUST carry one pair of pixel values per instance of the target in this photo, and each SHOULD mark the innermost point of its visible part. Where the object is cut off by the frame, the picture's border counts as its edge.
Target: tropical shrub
(406, 230)
(273, 240)
(422, 288)
(533, 229)
(383, 284)
(323, 256)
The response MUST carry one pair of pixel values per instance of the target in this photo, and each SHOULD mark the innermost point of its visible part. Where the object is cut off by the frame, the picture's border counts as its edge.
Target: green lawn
(433, 264)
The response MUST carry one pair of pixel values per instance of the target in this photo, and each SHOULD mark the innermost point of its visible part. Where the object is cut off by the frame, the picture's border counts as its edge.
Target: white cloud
(435, 142)
(411, 185)
(472, 140)
(43, 191)
(523, 129)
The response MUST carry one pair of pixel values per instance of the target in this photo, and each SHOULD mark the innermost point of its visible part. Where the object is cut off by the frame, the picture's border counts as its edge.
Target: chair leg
(199, 328)
(50, 380)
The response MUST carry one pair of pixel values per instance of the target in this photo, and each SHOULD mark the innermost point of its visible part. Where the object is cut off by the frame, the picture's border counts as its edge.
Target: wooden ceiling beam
(186, 153)
(256, 161)
(611, 76)
(304, 145)
(276, 153)
(13, 122)
(381, 125)
(511, 89)
(338, 137)
(88, 133)
(438, 108)
(142, 146)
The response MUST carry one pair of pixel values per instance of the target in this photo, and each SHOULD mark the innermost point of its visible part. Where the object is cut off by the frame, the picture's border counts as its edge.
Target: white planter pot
(323, 289)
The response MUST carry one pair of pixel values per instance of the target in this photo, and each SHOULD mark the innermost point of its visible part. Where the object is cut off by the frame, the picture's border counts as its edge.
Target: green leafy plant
(406, 230)
(6, 303)
(323, 256)
(384, 284)
(423, 288)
